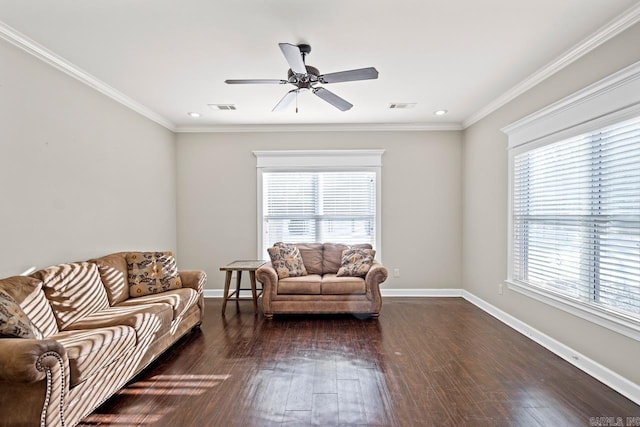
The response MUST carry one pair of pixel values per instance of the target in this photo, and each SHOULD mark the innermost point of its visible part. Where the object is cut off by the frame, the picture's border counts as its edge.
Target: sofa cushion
(151, 273)
(149, 320)
(356, 262)
(27, 291)
(311, 254)
(113, 272)
(180, 300)
(334, 285)
(89, 351)
(74, 291)
(333, 256)
(13, 322)
(286, 260)
(309, 284)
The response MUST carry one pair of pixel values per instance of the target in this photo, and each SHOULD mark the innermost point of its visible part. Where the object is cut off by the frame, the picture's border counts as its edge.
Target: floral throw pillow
(151, 273)
(286, 260)
(13, 322)
(356, 262)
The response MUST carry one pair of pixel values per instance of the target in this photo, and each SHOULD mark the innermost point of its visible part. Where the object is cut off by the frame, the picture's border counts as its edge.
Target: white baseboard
(421, 292)
(603, 374)
(217, 293)
(213, 293)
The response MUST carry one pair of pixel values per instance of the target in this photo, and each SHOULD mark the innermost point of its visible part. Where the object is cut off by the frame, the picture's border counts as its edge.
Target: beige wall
(485, 211)
(80, 175)
(421, 199)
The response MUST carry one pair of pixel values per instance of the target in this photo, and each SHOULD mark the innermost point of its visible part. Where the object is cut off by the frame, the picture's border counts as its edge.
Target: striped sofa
(92, 337)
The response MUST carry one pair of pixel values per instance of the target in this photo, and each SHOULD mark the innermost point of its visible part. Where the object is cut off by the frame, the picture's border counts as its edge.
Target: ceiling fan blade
(294, 57)
(285, 101)
(349, 76)
(332, 99)
(255, 81)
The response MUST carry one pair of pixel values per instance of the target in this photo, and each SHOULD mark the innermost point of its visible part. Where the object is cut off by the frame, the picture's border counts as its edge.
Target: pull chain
(296, 102)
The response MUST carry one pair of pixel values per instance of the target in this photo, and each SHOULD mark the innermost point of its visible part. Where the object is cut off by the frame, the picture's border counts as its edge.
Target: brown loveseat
(321, 291)
(95, 338)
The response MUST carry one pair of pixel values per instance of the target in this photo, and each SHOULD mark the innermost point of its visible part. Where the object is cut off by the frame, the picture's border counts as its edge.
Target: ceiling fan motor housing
(304, 81)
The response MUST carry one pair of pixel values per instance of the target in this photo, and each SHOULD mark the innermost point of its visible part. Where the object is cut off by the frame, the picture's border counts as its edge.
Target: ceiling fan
(305, 78)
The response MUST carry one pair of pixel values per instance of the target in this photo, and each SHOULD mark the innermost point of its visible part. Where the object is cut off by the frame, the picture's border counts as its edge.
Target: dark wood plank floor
(426, 361)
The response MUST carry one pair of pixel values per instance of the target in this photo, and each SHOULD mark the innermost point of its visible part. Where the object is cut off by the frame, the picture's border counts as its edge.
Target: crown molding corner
(616, 26)
(33, 48)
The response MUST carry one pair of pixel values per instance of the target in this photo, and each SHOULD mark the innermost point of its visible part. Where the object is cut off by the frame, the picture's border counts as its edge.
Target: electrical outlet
(499, 288)
(396, 272)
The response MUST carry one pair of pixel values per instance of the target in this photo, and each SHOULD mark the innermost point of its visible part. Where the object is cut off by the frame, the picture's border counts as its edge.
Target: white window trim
(611, 100)
(326, 160)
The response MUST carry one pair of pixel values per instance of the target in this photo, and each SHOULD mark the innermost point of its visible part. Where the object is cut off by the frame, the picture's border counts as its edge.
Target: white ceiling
(165, 58)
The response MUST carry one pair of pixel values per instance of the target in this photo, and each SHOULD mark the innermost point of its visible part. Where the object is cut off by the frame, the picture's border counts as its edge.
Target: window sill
(618, 323)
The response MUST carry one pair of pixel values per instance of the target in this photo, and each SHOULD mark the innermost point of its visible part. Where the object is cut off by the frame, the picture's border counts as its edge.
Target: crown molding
(23, 42)
(315, 127)
(619, 24)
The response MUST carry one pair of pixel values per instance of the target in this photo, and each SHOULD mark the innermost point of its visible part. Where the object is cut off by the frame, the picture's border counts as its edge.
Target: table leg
(227, 282)
(252, 276)
(238, 280)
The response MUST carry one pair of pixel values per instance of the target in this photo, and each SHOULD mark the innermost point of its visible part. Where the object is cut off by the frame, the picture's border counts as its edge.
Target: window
(318, 196)
(319, 207)
(574, 203)
(576, 218)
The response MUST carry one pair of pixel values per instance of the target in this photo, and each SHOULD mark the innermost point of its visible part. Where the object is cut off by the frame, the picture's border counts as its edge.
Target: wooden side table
(239, 266)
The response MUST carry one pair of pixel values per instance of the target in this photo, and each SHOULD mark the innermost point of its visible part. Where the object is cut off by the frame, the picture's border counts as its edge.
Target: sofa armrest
(34, 382)
(25, 360)
(376, 275)
(194, 279)
(268, 276)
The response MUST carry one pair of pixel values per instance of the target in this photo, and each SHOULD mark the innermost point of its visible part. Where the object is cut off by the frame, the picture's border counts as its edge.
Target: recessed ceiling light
(440, 112)
(193, 114)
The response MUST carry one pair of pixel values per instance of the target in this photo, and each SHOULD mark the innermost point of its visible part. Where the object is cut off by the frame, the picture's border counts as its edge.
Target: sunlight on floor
(157, 385)
(125, 419)
(176, 385)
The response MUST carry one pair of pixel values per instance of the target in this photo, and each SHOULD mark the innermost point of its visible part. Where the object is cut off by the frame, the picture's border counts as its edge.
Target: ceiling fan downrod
(305, 49)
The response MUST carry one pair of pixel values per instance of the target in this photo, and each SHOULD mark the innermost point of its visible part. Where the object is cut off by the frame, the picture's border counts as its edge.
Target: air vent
(223, 107)
(402, 105)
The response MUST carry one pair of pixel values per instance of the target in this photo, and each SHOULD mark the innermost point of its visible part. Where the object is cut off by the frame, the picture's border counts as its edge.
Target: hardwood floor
(426, 361)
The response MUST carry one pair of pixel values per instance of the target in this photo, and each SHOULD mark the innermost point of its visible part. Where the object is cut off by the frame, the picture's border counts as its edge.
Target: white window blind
(317, 206)
(576, 218)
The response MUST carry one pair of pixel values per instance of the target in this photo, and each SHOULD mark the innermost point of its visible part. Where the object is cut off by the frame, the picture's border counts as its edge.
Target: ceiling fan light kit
(305, 78)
